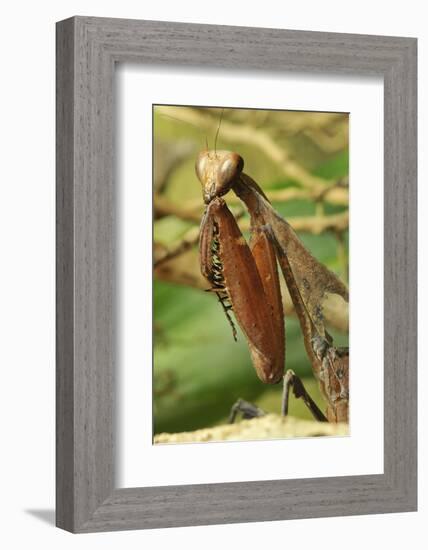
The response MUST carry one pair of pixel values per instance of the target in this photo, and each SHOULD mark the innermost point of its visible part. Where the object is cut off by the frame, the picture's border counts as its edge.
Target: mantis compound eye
(201, 165)
(230, 169)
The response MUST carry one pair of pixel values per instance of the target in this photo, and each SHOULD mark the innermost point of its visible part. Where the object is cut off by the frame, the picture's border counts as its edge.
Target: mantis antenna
(218, 130)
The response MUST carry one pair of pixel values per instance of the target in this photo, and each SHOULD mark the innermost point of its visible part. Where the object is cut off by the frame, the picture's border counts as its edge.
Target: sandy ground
(271, 426)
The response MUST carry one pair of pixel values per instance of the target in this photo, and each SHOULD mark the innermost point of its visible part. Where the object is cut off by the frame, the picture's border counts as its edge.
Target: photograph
(250, 274)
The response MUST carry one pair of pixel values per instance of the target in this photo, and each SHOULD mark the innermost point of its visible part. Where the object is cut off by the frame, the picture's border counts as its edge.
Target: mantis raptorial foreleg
(229, 266)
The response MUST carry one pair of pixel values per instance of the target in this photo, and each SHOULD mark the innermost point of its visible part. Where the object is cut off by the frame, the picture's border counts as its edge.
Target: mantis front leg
(230, 267)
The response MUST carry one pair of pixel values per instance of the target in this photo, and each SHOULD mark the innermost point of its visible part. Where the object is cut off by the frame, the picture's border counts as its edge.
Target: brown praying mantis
(245, 278)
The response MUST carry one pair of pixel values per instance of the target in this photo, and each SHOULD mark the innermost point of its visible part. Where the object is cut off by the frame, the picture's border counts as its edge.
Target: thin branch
(334, 194)
(183, 269)
(314, 224)
(308, 224)
(189, 240)
(245, 133)
(164, 207)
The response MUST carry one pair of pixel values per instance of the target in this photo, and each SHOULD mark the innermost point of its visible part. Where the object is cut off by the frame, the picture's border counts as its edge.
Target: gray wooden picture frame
(87, 51)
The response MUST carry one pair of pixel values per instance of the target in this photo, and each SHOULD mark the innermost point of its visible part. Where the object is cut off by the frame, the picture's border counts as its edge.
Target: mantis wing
(313, 280)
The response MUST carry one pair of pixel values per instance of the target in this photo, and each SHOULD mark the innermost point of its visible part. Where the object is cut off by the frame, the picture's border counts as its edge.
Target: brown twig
(245, 133)
(164, 207)
(183, 269)
(189, 240)
(309, 224)
(334, 194)
(314, 224)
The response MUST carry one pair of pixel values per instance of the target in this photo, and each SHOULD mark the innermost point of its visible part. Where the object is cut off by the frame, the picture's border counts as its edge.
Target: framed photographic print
(254, 307)
(236, 274)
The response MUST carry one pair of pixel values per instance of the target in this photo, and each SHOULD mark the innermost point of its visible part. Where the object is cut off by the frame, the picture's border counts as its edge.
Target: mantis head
(217, 171)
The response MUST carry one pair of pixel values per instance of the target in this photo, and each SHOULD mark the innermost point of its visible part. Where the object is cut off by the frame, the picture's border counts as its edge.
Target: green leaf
(335, 167)
(199, 371)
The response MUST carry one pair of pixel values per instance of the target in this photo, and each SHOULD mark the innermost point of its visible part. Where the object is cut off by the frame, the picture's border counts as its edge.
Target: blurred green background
(300, 159)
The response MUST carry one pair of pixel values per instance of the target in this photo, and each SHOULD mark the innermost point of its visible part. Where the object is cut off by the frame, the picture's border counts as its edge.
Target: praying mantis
(245, 278)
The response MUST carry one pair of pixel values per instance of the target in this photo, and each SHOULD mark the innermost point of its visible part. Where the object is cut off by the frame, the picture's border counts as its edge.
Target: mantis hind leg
(292, 381)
